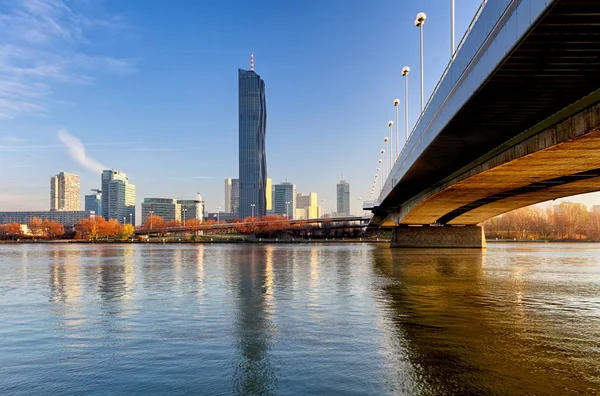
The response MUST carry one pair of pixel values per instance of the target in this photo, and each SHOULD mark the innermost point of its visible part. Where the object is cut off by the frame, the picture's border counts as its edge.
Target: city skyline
(113, 91)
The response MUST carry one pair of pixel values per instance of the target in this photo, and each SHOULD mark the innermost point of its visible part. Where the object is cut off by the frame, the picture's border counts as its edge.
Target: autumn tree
(153, 222)
(126, 232)
(53, 229)
(36, 227)
(14, 230)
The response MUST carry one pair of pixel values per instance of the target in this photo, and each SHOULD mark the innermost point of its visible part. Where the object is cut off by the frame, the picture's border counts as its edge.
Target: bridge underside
(560, 161)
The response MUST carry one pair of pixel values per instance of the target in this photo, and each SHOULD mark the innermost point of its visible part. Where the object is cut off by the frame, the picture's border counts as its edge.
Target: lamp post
(183, 212)
(124, 221)
(379, 179)
(218, 213)
(287, 210)
(396, 104)
(405, 71)
(419, 22)
(151, 216)
(130, 218)
(252, 206)
(382, 166)
(391, 148)
(323, 207)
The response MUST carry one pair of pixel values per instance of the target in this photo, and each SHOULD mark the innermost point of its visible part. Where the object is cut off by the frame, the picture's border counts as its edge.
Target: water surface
(299, 319)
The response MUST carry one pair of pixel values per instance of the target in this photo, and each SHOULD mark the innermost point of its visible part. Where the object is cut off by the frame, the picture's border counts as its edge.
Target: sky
(149, 87)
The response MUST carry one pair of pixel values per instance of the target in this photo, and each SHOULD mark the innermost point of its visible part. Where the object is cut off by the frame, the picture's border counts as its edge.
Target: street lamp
(124, 221)
(323, 208)
(405, 71)
(184, 210)
(419, 22)
(151, 216)
(218, 212)
(388, 161)
(396, 103)
(382, 166)
(252, 206)
(287, 209)
(391, 124)
(130, 218)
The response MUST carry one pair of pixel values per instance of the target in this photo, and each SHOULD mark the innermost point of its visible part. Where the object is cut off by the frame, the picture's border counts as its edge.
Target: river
(354, 319)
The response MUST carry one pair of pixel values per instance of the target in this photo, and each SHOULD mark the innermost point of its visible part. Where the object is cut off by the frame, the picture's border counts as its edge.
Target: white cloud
(77, 152)
(41, 45)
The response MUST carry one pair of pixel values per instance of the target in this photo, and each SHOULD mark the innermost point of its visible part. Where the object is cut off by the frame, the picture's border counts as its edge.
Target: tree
(53, 229)
(36, 227)
(153, 222)
(109, 229)
(126, 232)
(14, 230)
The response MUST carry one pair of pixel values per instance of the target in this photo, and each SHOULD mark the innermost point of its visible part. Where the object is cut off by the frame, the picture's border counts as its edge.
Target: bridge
(514, 121)
(340, 222)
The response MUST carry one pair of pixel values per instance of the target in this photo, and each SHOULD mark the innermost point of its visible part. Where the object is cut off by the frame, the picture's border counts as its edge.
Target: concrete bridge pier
(426, 236)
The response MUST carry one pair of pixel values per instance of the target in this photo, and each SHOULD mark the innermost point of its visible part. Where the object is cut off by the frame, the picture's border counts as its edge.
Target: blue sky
(150, 88)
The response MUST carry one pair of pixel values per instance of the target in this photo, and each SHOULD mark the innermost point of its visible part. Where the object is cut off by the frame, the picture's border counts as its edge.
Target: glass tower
(343, 198)
(252, 132)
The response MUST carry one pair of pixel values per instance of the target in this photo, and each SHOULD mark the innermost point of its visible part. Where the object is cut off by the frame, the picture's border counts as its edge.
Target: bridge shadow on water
(468, 329)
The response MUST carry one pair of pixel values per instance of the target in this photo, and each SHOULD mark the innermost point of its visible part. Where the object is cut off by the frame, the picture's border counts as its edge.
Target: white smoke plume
(77, 151)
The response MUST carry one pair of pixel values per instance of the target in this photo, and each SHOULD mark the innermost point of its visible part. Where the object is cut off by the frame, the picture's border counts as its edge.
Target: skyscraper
(118, 197)
(252, 112)
(64, 192)
(93, 202)
(343, 198)
(285, 199)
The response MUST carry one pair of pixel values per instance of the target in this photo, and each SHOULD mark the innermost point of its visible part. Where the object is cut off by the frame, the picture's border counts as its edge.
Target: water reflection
(254, 373)
(466, 332)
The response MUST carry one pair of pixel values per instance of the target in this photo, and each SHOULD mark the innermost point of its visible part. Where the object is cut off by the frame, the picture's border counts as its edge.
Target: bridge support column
(438, 237)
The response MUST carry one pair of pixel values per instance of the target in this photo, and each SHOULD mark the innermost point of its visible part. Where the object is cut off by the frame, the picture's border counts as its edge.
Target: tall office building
(252, 112)
(284, 200)
(64, 192)
(343, 198)
(93, 202)
(232, 196)
(118, 197)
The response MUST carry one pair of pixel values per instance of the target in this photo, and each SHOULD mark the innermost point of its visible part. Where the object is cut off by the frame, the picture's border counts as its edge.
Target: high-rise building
(64, 192)
(343, 198)
(118, 197)
(252, 111)
(308, 203)
(232, 196)
(284, 199)
(93, 202)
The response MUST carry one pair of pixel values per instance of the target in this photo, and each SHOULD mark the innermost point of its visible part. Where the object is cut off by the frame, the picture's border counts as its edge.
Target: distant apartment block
(284, 199)
(64, 192)
(343, 198)
(67, 218)
(118, 197)
(192, 208)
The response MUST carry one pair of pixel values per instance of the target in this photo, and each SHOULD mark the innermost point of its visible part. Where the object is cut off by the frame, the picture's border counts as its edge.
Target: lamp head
(390, 123)
(396, 103)
(420, 20)
(385, 139)
(405, 71)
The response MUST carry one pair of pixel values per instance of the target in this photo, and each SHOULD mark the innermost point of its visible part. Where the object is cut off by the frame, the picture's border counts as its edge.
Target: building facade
(118, 197)
(309, 204)
(232, 196)
(252, 113)
(192, 208)
(166, 208)
(67, 218)
(284, 200)
(93, 202)
(343, 198)
(65, 192)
